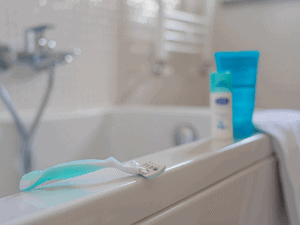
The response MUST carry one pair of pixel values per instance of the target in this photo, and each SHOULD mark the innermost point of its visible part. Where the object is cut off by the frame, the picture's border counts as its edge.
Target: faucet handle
(41, 29)
(34, 38)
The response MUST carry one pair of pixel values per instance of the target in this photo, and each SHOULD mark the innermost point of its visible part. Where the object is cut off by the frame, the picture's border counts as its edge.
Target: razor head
(151, 170)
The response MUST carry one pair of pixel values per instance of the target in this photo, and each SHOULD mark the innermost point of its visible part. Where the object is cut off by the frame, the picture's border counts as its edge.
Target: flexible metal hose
(27, 136)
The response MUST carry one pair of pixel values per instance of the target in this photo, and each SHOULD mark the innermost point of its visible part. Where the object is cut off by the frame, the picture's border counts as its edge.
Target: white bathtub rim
(135, 182)
(92, 111)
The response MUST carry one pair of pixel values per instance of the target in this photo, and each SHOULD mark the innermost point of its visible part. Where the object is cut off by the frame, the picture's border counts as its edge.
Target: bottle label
(221, 115)
(222, 101)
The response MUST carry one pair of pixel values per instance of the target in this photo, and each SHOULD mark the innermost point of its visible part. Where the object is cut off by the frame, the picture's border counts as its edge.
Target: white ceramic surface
(89, 25)
(115, 60)
(112, 197)
(66, 135)
(273, 28)
(124, 199)
(249, 197)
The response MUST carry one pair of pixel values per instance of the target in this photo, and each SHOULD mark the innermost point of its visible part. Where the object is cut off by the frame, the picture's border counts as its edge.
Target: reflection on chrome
(51, 44)
(42, 41)
(69, 58)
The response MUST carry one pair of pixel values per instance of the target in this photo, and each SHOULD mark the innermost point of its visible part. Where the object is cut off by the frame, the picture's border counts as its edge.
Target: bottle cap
(220, 82)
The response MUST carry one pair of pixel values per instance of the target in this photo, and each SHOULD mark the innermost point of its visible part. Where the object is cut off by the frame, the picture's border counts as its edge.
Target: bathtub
(196, 172)
(97, 133)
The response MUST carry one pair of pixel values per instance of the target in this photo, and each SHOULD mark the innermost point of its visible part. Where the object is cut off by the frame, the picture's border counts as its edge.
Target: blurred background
(118, 43)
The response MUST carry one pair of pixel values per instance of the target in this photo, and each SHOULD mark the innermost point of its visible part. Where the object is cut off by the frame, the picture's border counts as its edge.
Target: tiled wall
(90, 25)
(112, 69)
(181, 84)
(272, 27)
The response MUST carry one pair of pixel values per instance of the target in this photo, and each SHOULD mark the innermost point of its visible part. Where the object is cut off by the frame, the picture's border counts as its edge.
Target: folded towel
(284, 128)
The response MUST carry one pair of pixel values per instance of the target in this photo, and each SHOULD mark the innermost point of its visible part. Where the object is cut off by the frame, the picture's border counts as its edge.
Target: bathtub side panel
(249, 197)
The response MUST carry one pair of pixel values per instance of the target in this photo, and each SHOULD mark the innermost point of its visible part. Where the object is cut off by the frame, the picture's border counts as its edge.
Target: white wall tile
(273, 28)
(107, 71)
(89, 25)
(136, 83)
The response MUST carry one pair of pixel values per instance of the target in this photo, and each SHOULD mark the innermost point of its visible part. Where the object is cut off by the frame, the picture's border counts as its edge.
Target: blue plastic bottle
(243, 67)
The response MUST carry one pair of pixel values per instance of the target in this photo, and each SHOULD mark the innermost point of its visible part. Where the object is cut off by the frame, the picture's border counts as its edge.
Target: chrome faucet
(37, 53)
(39, 57)
(35, 42)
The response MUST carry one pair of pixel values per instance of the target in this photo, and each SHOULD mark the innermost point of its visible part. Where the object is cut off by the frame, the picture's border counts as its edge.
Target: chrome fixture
(5, 59)
(37, 54)
(40, 57)
(185, 134)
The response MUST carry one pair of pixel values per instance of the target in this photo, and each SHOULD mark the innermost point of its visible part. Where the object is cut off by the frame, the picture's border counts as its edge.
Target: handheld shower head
(38, 57)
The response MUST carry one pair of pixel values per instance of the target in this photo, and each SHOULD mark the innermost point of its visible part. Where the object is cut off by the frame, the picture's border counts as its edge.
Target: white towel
(284, 128)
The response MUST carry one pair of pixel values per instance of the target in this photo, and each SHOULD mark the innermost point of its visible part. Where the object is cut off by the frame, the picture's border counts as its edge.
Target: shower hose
(27, 135)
